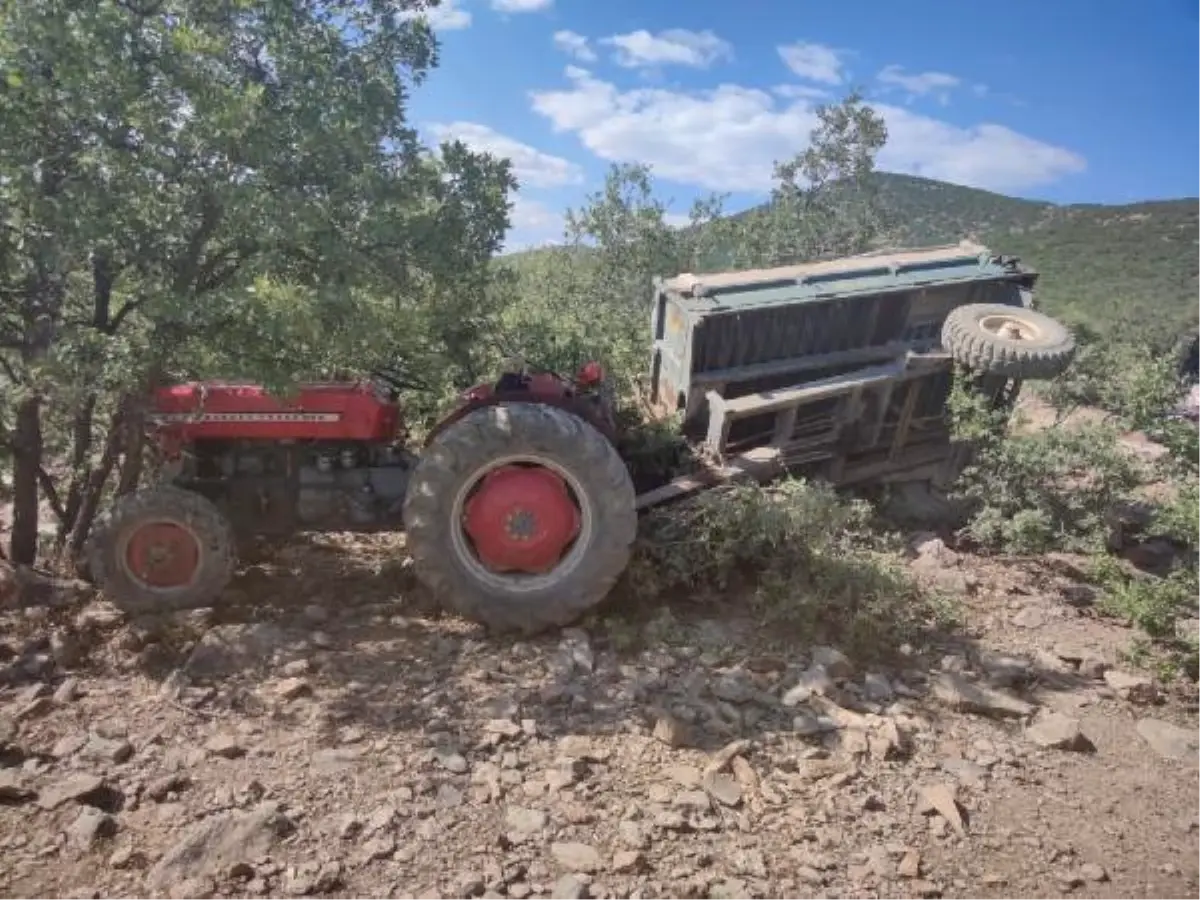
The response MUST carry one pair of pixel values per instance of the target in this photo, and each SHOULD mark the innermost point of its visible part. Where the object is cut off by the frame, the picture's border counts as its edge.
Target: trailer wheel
(994, 339)
(162, 550)
(520, 517)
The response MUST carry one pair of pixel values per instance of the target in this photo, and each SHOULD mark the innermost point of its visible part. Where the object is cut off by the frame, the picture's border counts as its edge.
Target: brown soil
(325, 733)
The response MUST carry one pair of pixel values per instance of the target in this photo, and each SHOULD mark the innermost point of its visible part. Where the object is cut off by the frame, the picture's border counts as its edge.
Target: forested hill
(1128, 269)
(1132, 266)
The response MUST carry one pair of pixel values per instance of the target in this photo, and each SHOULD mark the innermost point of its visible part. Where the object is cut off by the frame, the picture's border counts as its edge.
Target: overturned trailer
(842, 369)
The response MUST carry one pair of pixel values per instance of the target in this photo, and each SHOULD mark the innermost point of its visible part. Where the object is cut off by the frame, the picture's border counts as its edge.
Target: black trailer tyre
(162, 550)
(521, 517)
(994, 339)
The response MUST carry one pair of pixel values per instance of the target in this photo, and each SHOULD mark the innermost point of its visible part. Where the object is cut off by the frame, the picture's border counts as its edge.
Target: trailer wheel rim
(521, 523)
(1010, 328)
(162, 554)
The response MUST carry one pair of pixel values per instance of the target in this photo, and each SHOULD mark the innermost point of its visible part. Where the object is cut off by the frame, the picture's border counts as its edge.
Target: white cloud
(448, 16)
(521, 6)
(918, 84)
(575, 45)
(534, 224)
(800, 92)
(724, 139)
(728, 138)
(813, 62)
(532, 167)
(985, 156)
(673, 47)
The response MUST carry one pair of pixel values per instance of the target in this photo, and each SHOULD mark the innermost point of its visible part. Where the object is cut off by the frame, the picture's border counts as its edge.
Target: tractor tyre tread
(199, 514)
(986, 353)
(465, 448)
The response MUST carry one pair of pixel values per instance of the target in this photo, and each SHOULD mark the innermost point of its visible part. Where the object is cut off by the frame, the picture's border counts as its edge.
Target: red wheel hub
(521, 519)
(163, 555)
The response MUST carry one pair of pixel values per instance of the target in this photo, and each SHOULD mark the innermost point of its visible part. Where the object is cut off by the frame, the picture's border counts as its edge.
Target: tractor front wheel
(162, 550)
(520, 517)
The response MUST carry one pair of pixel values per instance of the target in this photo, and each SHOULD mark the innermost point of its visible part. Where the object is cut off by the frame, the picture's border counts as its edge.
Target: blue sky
(1063, 100)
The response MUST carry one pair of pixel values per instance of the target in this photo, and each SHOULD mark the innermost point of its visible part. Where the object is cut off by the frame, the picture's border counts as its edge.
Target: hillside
(1129, 267)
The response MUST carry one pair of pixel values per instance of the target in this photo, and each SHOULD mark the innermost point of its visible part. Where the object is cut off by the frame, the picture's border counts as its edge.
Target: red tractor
(519, 513)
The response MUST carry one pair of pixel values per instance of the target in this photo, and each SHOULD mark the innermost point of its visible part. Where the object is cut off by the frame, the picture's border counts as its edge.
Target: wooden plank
(883, 353)
(768, 401)
(785, 425)
(885, 403)
(906, 415)
(719, 423)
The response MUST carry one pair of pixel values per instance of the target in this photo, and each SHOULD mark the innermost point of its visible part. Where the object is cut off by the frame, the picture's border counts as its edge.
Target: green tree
(825, 203)
(186, 183)
(591, 296)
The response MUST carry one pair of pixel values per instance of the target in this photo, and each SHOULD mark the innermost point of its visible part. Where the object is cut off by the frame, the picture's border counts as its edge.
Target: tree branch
(121, 314)
(51, 492)
(187, 268)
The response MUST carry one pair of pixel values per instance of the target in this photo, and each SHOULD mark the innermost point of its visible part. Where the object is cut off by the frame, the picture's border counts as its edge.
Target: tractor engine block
(274, 487)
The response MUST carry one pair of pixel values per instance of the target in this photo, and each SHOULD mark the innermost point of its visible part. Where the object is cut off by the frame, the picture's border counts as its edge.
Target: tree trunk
(89, 504)
(81, 436)
(27, 464)
(134, 444)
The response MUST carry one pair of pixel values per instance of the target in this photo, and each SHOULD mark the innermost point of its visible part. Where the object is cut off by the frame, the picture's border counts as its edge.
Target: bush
(1129, 380)
(1051, 489)
(809, 558)
(1156, 606)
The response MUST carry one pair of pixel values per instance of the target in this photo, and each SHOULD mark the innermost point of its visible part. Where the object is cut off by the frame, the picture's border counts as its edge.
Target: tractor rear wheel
(520, 517)
(1012, 341)
(162, 550)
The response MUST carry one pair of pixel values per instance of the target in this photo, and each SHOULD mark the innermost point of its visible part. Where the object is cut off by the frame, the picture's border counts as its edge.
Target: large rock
(576, 857)
(1059, 732)
(214, 846)
(1131, 687)
(960, 694)
(1168, 740)
(228, 649)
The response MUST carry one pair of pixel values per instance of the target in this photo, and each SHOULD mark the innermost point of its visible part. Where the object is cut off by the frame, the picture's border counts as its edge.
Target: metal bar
(847, 411)
(762, 464)
(768, 401)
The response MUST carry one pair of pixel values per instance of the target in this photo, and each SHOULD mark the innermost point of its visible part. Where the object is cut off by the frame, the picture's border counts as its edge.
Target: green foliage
(590, 298)
(1048, 489)
(1155, 606)
(190, 188)
(1179, 519)
(809, 557)
(1152, 604)
(825, 201)
(1130, 379)
(1124, 271)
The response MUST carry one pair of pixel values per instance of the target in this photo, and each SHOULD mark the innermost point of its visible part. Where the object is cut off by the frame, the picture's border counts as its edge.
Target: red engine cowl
(339, 411)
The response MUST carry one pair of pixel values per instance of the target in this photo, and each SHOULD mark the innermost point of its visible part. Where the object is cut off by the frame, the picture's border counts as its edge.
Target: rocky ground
(334, 738)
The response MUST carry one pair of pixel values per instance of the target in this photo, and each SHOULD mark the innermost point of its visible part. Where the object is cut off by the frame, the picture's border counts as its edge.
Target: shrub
(1048, 489)
(809, 559)
(1128, 379)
